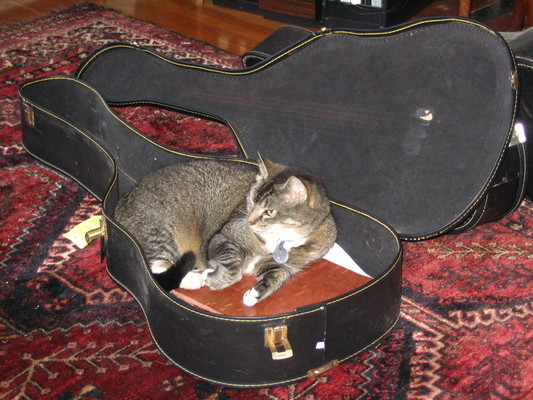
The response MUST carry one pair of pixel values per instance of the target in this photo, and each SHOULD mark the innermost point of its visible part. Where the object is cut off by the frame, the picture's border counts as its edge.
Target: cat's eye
(270, 213)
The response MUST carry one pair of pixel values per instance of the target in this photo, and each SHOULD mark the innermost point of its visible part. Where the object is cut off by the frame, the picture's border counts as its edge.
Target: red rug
(68, 331)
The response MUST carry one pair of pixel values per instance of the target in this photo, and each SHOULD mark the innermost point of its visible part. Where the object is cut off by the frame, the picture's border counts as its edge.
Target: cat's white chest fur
(290, 241)
(249, 269)
(271, 243)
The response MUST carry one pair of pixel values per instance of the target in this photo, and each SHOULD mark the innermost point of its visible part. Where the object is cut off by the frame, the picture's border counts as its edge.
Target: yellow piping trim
(417, 23)
(137, 132)
(258, 385)
(292, 49)
(368, 216)
(188, 111)
(526, 65)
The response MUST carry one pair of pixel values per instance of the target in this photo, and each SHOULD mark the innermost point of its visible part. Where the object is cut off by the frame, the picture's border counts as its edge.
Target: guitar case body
(409, 140)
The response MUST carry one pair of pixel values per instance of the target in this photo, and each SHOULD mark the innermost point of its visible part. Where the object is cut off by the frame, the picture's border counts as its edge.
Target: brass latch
(99, 232)
(278, 343)
(29, 117)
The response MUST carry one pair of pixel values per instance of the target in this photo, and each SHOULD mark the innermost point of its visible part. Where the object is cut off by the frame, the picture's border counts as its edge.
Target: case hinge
(322, 369)
(519, 134)
(278, 343)
(29, 117)
(514, 80)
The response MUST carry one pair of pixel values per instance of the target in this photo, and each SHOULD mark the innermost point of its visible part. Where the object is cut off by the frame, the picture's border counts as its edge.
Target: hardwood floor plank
(229, 29)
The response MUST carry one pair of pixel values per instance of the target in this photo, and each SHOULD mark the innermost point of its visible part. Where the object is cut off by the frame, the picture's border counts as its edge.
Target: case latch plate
(277, 341)
(29, 117)
(100, 232)
(320, 370)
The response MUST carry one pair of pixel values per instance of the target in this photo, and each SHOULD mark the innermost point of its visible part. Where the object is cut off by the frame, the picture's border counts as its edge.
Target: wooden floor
(232, 30)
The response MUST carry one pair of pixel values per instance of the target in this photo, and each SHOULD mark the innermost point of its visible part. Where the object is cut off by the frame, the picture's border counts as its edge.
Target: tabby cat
(209, 222)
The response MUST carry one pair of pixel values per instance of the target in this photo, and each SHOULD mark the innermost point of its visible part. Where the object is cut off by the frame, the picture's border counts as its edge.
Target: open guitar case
(410, 128)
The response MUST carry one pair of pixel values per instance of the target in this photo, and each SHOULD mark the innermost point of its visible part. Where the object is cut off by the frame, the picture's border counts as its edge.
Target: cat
(208, 222)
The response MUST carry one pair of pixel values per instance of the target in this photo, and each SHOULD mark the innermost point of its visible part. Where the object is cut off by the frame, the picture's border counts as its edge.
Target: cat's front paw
(251, 297)
(193, 280)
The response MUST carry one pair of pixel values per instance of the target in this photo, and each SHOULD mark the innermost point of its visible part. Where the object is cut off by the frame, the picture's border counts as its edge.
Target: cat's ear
(266, 167)
(295, 191)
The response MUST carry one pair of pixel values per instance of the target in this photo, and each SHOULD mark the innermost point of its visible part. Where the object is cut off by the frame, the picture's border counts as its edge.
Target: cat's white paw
(250, 298)
(193, 280)
(159, 266)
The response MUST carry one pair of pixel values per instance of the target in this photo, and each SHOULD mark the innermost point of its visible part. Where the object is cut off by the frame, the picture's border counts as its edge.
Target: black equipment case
(409, 128)
(522, 45)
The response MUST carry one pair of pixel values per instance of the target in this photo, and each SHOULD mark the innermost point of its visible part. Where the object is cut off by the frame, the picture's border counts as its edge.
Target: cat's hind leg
(171, 277)
(216, 276)
(159, 266)
(194, 279)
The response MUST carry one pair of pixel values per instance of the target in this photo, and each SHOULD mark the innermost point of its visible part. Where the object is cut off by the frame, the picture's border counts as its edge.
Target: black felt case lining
(413, 131)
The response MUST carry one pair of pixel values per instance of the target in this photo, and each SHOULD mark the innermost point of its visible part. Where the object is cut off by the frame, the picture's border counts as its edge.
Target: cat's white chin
(250, 298)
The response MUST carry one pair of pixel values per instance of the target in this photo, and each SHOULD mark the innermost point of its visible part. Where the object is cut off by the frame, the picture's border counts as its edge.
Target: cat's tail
(171, 278)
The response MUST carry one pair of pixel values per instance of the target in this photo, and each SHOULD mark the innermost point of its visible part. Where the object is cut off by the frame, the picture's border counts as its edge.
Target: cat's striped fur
(213, 221)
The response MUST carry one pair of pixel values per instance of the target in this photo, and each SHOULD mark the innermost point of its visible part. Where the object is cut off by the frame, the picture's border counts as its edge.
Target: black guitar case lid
(513, 180)
(414, 131)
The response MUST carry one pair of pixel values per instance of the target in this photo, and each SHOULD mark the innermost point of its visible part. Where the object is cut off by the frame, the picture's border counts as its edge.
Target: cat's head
(286, 202)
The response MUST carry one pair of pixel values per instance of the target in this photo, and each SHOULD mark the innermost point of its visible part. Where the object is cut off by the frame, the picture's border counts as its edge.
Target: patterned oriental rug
(68, 331)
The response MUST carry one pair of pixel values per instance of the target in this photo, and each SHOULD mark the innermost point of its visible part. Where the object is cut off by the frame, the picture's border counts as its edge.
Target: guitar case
(409, 139)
